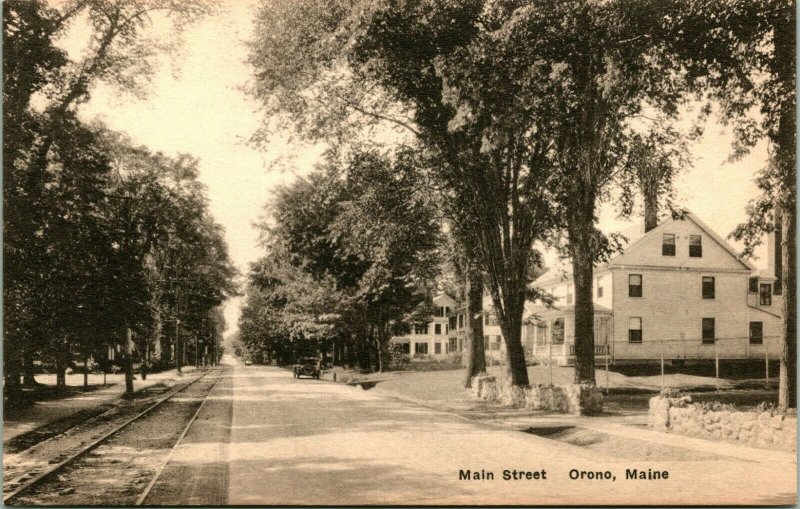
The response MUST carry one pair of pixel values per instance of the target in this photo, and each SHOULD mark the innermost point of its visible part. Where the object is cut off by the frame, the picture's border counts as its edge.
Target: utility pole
(178, 346)
(128, 360)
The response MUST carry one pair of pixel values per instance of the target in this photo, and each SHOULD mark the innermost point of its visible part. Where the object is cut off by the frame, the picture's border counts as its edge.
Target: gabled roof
(636, 235)
(688, 214)
(444, 300)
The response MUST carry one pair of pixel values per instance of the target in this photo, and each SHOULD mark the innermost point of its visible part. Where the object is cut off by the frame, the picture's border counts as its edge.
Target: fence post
(550, 360)
(661, 343)
(766, 364)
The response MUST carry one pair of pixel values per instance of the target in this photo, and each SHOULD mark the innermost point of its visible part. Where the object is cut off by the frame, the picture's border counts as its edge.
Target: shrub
(398, 359)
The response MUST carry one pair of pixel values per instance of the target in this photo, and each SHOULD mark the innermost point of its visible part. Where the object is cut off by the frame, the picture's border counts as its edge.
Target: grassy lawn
(630, 393)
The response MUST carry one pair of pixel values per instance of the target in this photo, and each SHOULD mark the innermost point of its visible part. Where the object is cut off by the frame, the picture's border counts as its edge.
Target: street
(265, 438)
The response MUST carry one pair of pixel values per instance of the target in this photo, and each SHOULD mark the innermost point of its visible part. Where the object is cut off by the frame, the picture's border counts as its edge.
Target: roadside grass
(625, 393)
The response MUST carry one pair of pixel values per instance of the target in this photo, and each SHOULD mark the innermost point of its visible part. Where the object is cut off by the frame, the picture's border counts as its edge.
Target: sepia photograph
(399, 253)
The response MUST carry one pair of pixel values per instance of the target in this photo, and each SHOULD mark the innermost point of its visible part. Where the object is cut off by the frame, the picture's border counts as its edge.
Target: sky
(202, 110)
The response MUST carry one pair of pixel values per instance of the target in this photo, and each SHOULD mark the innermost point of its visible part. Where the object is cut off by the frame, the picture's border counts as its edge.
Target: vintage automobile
(307, 366)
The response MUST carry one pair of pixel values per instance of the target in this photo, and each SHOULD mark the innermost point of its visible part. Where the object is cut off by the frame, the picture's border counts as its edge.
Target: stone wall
(578, 399)
(767, 428)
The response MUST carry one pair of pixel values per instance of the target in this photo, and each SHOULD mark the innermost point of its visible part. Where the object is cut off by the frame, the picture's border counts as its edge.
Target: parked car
(79, 367)
(307, 366)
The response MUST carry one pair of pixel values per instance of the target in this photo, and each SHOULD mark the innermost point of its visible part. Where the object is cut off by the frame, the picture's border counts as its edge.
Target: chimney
(650, 193)
(774, 254)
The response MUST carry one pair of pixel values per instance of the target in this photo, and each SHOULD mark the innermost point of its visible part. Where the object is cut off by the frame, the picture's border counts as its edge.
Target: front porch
(549, 337)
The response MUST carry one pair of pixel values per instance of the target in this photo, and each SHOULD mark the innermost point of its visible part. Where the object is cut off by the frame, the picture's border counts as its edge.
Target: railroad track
(29, 487)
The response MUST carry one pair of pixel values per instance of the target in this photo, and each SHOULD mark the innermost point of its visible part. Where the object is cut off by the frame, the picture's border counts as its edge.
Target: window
(599, 290)
(695, 246)
(446, 329)
(421, 348)
(708, 287)
(668, 244)
(634, 285)
(452, 321)
(491, 342)
(405, 348)
(756, 333)
(766, 295)
(437, 348)
(708, 330)
(460, 321)
(557, 334)
(490, 319)
(752, 286)
(635, 329)
(437, 329)
(452, 347)
(421, 328)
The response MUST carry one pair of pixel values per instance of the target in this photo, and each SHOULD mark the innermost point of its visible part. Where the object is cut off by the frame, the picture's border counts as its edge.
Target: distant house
(492, 335)
(429, 338)
(678, 291)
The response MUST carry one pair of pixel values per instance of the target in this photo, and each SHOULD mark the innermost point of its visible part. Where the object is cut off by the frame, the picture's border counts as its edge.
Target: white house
(678, 291)
(492, 335)
(429, 338)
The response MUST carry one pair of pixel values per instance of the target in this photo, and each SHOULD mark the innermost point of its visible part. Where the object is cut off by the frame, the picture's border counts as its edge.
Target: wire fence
(722, 358)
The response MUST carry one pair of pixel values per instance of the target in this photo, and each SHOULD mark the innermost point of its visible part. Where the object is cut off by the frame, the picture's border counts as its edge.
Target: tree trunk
(582, 270)
(12, 371)
(61, 368)
(28, 371)
(85, 371)
(384, 356)
(364, 354)
(476, 354)
(509, 309)
(785, 44)
(515, 368)
(787, 389)
(128, 361)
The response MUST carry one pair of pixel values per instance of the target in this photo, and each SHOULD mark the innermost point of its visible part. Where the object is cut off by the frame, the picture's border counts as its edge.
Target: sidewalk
(634, 428)
(629, 425)
(42, 413)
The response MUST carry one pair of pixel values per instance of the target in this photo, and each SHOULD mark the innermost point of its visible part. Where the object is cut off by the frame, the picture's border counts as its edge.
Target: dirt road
(266, 438)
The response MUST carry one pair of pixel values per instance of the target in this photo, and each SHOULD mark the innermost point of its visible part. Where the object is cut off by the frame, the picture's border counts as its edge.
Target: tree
(381, 64)
(55, 171)
(171, 258)
(353, 251)
(741, 55)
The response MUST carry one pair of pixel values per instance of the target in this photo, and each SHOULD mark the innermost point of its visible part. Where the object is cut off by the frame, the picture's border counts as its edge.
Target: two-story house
(678, 291)
(429, 338)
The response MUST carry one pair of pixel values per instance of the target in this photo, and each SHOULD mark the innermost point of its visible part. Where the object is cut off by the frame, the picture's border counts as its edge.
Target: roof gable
(717, 253)
(444, 300)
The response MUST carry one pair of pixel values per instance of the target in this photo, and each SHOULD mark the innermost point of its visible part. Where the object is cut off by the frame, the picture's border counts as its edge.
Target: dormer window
(668, 244)
(765, 294)
(695, 246)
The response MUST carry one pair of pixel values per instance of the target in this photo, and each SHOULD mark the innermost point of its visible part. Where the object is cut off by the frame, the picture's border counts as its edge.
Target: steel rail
(58, 466)
(154, 480)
